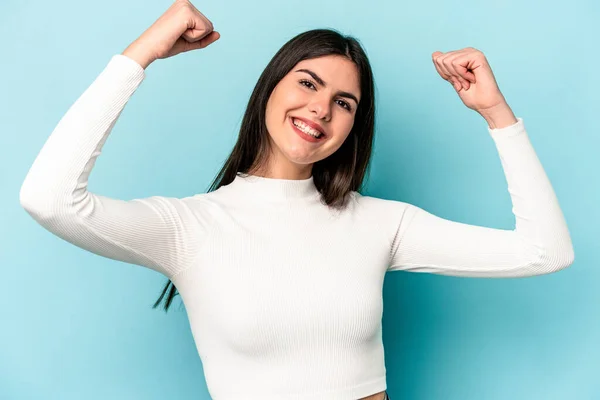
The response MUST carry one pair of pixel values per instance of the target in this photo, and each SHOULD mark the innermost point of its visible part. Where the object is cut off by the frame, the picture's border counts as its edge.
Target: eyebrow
(322, 83)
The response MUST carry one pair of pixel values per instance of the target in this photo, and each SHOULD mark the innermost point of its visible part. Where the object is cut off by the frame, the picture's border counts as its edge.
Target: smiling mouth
(307, 130)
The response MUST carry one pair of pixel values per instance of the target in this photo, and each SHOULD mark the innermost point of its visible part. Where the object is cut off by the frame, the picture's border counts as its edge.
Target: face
(317, 97)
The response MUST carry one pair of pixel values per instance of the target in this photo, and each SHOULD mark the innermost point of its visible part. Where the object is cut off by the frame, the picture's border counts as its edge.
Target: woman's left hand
(472, 77)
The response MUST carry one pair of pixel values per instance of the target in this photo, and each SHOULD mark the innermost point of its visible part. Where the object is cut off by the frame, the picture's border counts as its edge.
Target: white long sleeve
(539, 244)
(158, 232)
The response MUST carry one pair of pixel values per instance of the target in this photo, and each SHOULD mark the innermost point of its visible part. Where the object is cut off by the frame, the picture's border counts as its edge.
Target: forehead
(338, 72)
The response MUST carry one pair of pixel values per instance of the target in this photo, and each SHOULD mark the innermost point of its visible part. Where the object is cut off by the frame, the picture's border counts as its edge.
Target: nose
(321, 107)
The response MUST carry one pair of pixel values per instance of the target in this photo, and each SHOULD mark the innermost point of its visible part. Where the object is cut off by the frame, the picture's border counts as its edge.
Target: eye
(303, 81)
(345, 105)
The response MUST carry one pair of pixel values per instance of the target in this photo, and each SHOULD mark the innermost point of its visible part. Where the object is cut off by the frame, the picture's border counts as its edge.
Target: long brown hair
(335, 176)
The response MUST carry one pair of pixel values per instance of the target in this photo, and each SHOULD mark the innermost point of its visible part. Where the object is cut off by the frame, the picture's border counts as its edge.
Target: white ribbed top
(284, 295)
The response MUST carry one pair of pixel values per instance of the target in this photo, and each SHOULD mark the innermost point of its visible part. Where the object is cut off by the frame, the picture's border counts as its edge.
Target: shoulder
(385, 213)
(195, 208)
(380, 205)
(383, 217)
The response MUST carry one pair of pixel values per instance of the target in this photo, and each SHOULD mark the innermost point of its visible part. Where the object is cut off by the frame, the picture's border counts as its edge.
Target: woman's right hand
(181, 28)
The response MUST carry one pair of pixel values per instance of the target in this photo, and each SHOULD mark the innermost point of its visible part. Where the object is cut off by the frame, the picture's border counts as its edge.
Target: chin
(301, 158)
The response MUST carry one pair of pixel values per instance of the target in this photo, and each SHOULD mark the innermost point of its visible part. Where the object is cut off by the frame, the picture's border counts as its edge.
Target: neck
(262, 188)
(284, 171)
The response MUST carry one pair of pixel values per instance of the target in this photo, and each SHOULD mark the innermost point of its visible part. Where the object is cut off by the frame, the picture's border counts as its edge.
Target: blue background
(77, 326)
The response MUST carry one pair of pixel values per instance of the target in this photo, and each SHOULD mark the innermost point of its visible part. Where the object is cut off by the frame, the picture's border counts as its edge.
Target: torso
(309, 308)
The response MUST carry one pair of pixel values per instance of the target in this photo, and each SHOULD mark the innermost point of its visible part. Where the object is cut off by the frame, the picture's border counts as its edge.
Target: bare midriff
(376, 396)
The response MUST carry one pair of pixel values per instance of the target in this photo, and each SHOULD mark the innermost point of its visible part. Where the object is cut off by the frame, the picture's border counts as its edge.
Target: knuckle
(185, 8)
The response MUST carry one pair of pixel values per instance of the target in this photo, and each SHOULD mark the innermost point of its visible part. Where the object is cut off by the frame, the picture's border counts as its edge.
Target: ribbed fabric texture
(283, 294)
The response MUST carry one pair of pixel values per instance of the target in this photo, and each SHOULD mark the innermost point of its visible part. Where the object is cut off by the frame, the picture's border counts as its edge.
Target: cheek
(349, 124)
(289, 97)
(344, 126)
(282, 102)
(342, 131)
(274, 105)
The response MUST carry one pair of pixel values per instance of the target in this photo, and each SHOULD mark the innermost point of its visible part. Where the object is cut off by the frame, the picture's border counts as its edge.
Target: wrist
(498, 116)
(137, 54)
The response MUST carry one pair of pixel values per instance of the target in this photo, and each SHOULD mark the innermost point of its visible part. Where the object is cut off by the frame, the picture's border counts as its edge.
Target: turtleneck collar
(273, 188)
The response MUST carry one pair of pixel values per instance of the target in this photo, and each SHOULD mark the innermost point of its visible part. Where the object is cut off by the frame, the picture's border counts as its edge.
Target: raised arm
(539, 244)
(157, 232)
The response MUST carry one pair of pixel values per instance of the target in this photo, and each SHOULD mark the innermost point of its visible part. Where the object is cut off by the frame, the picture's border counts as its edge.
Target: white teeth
(306, 129)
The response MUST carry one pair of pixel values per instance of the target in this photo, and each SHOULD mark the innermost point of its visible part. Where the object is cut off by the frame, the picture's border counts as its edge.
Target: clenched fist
(472, 77)
(181, 28)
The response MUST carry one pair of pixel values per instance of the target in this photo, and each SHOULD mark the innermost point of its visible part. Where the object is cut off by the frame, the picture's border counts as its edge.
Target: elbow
(28, 200)
(48, 199)
(568, 258)
(557, 259)
(26, 196)
(35, 201)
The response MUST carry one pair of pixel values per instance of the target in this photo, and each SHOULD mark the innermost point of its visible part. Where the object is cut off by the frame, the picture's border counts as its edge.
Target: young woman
(281, 263)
